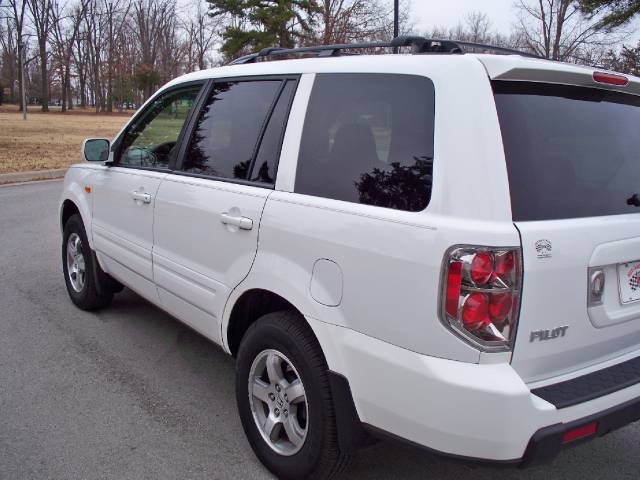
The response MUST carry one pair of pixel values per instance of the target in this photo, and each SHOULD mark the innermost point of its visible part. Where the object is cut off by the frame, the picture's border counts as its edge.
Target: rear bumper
(470, 411)
(547, 442)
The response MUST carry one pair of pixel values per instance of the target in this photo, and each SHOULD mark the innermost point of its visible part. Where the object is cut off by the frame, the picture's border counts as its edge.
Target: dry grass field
(49, 140)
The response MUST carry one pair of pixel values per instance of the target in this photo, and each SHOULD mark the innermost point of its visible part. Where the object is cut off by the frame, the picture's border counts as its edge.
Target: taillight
(481, 268)
(481, 294)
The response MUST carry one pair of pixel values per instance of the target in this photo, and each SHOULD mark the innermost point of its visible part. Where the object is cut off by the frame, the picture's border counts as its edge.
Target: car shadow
(208, 372)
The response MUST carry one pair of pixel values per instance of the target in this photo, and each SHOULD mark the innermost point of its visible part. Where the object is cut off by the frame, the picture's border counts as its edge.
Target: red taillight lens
(481, 268)
(453, 288)
(500, 306)
(481, 292)
(475, 311)
(505, 264)
(611, 79)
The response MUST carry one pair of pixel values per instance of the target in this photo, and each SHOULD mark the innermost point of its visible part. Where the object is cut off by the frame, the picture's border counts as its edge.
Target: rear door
(124, 193)
(573, 160)
(208, 211)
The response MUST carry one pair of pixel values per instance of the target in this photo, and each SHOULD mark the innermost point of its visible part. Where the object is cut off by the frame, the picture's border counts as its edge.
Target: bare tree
(479, 27)
(9, 71)
(170, 50)
(150, 17)
(17, 16)
(78, 51)
(557, 29)
(94, 28)
(202, 32)
(64, 40)
(116, 15)
(476, 28)
(344, 21)
(40, 19)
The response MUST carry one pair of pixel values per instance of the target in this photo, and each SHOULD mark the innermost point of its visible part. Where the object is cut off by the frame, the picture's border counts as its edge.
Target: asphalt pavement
(130, 393)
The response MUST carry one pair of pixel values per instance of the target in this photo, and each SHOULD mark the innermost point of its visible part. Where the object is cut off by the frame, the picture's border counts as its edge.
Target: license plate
(629, 281)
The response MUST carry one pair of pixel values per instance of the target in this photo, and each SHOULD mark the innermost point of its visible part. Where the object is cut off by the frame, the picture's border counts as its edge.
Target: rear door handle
(141, 196)
(243, 223)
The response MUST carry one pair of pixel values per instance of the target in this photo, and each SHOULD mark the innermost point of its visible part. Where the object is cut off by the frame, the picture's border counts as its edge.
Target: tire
(77, 257)
(285, 340)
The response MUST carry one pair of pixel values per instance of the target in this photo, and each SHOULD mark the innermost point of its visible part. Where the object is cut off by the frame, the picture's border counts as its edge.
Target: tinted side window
(151, 140)
(228, 130)
(265, 165)
(368, 138)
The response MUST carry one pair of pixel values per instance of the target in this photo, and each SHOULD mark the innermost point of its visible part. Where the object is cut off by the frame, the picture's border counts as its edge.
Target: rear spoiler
(514, 68)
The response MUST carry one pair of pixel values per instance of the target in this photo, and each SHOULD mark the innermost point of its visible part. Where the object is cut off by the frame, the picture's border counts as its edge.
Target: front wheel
(81, 271)
(284, 399)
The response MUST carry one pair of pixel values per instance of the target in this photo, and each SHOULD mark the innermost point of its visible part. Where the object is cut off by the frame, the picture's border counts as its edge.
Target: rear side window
(230, 127)
(571, 151)
(368, 138)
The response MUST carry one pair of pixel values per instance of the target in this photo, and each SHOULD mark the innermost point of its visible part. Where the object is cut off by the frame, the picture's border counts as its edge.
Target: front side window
(152, 139)
(229, 129)
(368, 138)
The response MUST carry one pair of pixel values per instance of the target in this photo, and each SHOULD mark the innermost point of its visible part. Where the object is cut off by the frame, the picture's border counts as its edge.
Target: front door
(208, 212)
(124, 193)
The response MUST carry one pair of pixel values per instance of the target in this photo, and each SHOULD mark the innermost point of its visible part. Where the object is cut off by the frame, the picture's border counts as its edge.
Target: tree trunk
(110, 63)
(68, 88)
(44, 80)
(82, 80)
(21, 105)
(63, 92)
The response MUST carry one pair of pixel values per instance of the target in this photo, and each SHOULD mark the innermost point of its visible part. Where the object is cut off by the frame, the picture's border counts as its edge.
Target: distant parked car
(440, 247)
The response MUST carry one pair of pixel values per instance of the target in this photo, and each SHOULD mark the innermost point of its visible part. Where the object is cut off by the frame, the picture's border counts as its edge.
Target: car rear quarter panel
(391, 260)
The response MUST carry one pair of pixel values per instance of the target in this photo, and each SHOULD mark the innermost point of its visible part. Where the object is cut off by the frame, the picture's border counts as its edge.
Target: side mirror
(95, 150)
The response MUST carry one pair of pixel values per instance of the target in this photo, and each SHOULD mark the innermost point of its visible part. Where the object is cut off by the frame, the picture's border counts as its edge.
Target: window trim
(205, 93)
(116, 147)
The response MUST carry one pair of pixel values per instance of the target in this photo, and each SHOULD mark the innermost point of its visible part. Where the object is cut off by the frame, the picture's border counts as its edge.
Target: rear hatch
(573, 161)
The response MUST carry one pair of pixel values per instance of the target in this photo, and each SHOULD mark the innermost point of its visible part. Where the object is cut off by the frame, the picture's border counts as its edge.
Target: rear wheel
(81, 270)
(284, 399)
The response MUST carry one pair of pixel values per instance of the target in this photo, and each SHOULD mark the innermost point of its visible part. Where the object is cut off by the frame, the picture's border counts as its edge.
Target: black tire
(319, 456)
(90, 296)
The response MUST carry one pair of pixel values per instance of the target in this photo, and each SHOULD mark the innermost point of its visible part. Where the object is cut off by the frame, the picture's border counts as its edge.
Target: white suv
(440, 247)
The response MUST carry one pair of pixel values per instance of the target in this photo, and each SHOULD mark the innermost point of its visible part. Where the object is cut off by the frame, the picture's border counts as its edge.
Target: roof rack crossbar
(418, 44)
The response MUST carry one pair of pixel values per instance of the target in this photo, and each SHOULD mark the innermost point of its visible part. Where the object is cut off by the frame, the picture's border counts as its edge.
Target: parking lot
(131, 393)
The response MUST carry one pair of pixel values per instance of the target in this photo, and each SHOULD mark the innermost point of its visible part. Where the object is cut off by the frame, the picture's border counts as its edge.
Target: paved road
(129, 393)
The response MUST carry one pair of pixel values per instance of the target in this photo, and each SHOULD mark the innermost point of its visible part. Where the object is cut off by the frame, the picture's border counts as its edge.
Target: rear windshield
(571, 151)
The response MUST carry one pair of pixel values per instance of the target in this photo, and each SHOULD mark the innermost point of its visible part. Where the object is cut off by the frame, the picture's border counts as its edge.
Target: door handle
(243, 223)
(141, 196)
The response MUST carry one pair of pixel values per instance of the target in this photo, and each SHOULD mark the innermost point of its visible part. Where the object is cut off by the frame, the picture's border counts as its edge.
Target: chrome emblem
(542, 335)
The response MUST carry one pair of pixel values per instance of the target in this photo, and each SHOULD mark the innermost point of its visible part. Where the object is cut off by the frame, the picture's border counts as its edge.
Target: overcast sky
(430, 13)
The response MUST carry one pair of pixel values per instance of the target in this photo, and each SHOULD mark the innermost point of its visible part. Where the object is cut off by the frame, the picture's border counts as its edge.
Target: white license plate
(629, 281)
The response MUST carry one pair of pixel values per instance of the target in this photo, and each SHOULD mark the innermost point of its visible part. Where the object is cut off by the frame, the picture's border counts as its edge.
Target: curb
(22, 177)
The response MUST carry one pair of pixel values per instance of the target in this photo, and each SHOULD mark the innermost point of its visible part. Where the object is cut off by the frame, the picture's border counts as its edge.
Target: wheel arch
(67, 210)
(76, 200)
(252, 304)
(248, 307)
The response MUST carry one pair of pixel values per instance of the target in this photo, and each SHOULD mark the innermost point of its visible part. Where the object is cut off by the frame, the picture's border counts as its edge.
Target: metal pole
(23, 93)
(396, 18)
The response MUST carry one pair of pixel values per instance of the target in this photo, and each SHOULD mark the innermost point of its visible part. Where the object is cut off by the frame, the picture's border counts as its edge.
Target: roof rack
(420, 45)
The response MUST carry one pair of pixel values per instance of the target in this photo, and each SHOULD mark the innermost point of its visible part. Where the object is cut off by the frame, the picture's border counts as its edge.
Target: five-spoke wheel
(88, 286)
(284, 398)
(76, 268)
(278, 402)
